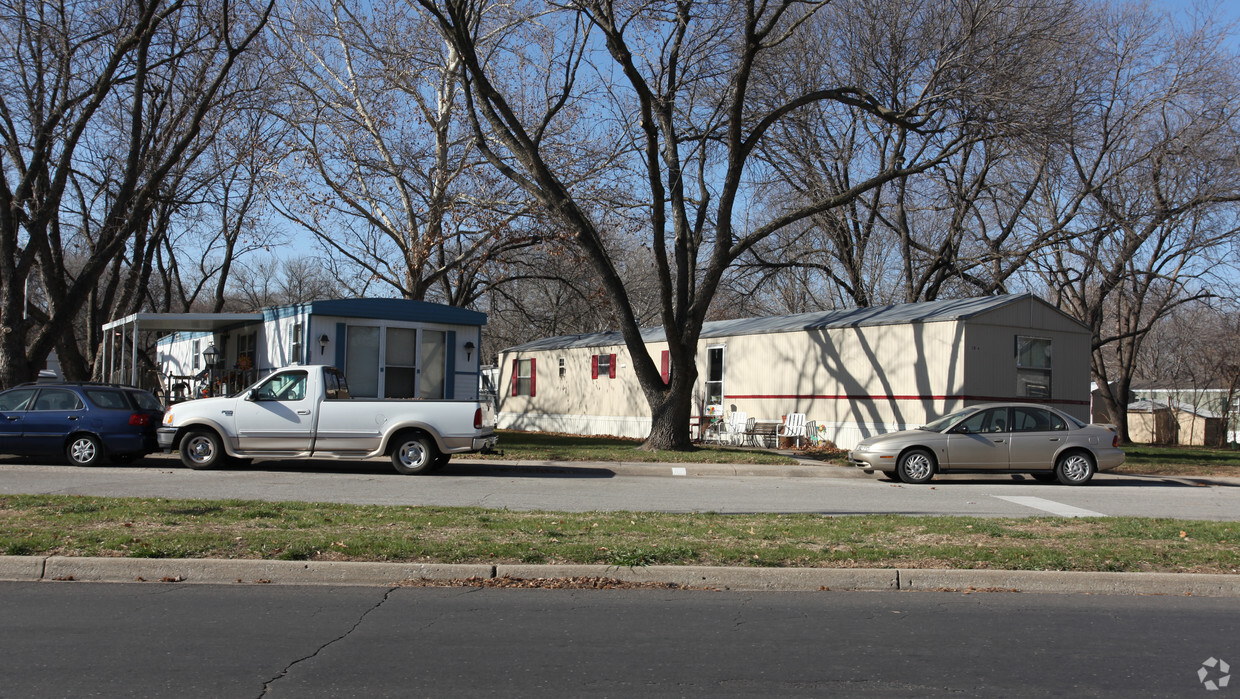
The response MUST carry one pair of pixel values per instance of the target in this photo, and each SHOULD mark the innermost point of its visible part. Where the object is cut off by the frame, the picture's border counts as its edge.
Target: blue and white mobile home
(388, 348)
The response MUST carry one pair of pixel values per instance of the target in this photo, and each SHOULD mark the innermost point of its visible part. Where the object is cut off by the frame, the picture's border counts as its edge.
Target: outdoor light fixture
(210, 354)
(323, 340)
(469, 348)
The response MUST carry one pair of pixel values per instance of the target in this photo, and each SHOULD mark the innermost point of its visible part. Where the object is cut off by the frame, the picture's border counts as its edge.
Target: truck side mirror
(251, 394)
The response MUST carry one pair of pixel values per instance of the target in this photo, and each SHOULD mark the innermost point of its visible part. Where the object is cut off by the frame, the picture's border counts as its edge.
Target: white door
(279, 417)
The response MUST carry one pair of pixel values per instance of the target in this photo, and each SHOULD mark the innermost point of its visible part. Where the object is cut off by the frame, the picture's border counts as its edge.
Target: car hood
(892, 439)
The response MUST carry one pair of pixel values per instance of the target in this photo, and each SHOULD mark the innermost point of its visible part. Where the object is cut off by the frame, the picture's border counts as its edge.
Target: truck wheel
(202, 449)
(414, 455)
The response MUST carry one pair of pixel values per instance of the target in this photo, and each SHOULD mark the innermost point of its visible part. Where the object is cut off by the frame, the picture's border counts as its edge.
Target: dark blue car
(88, 423)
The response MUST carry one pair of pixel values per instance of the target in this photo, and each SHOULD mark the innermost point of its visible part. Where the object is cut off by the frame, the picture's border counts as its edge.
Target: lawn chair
(811, 433)
(736, 426)
(794, 427)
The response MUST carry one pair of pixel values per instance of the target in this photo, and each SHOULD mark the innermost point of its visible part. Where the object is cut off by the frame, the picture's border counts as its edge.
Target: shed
(1174, 422)
(855, 372)
(391, 348)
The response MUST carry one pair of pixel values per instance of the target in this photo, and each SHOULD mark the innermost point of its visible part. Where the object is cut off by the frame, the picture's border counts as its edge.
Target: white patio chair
(736, 426)
(794, 427)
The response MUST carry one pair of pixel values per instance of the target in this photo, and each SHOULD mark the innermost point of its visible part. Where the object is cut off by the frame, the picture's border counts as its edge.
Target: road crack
(288, 668)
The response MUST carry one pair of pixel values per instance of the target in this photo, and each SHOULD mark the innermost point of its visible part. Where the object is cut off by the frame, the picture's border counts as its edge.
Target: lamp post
(209, 355)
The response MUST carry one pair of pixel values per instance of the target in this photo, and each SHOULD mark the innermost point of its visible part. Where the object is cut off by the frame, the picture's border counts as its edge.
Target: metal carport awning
(169, 322)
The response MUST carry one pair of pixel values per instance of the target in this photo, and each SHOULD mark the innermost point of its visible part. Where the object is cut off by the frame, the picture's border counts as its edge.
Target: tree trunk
(670, 413)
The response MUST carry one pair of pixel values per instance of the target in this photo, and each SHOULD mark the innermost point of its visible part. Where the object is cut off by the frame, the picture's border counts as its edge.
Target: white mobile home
(855, 372)
(390, 348)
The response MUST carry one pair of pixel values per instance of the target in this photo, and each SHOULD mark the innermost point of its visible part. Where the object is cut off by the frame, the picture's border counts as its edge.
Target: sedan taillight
(1115, 441)
(139, 419)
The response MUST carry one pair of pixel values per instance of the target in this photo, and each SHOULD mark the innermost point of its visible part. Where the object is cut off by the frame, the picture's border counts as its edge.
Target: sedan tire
(201, 449)
(916, 466)
(84, 450)
(1074, 468)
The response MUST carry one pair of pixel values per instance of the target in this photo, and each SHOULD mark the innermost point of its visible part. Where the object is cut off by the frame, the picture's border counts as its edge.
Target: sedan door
(13, 406)
(55, 413)
(1038, 434)
(980, 441)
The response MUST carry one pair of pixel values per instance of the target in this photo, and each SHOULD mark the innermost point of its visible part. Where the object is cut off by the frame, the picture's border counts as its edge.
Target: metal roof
(897, 314)
(183, 321)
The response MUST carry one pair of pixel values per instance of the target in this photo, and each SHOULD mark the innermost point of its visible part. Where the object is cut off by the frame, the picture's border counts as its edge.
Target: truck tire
(202, 449)
(414, 454)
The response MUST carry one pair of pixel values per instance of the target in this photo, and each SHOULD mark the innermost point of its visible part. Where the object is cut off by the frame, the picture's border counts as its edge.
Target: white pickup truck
(306, 412)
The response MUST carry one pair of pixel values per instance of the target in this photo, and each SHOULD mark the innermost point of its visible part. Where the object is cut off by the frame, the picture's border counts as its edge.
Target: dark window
(993, 420)
(16, 400)
(57, 399)
(113, 400)
(1033, 367)
(1037, 420)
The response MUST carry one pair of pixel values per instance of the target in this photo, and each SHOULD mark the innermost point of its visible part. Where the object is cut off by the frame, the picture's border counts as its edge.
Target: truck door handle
(303, 412)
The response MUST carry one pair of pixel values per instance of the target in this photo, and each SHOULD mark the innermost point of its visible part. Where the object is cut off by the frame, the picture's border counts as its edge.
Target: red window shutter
(533, 376)
(516, 367)
(667, 367)
(611, 368)
(594, 366)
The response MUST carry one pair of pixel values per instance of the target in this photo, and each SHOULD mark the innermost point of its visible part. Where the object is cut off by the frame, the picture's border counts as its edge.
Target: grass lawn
(544, 446)
(159, 528)
(1180, 461)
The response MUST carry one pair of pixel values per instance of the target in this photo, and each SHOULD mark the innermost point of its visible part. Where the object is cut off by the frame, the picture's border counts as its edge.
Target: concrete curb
(232, 571)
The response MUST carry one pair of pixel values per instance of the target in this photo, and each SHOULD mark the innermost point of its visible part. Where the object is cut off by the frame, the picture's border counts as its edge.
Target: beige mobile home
(855, 372)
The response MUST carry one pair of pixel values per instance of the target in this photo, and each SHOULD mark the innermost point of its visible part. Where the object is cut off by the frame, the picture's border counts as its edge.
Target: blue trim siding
(381, 309)
(449, 388)
(341, 335)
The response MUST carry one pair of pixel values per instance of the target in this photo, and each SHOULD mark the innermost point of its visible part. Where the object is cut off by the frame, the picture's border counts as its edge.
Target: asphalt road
(77, 639)
(637, 487)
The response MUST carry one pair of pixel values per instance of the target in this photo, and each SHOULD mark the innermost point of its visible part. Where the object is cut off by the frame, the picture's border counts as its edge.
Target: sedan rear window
(112, 400)
(146, 401)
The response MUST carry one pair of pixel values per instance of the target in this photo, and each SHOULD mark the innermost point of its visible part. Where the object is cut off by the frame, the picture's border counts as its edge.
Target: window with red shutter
(594, 366)
(533, 377)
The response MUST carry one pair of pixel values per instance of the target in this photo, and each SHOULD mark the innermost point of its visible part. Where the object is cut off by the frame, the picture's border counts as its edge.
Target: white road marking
(678, 471)
(1055, 508)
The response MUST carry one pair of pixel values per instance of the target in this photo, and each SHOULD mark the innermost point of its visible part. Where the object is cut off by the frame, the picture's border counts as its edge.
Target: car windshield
(947, 420)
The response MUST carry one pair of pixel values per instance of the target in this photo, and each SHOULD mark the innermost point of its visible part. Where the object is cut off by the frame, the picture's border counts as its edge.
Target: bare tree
(99, 103)
(384, 174)
(1155, 167)
(683, 95)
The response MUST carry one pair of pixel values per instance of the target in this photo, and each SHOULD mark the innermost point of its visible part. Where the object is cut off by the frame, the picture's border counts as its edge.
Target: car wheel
(916, 466)
(1074, 468)
(414, 455)
(202, 449)
(84, 450)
